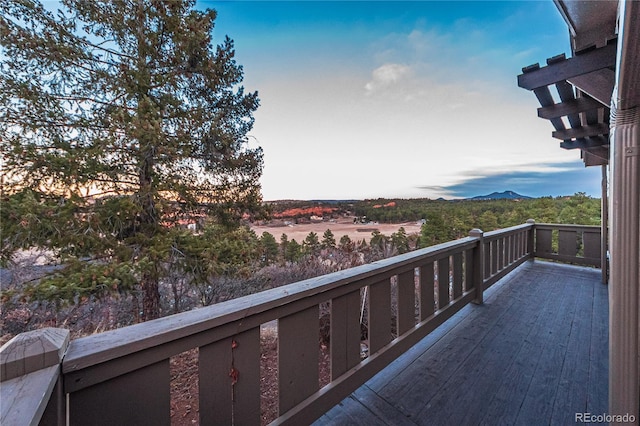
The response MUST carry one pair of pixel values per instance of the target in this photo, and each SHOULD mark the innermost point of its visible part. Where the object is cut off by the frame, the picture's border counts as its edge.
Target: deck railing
(123, 376)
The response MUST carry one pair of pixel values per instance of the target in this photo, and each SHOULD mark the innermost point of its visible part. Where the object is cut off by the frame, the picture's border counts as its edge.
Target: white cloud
(387, 75)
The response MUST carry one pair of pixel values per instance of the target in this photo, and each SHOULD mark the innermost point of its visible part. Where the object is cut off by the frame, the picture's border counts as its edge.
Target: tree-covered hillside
(486, 215)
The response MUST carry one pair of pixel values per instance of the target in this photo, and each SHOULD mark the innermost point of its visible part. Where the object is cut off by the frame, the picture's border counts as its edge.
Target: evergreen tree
(311, 243)
(346, 243)
(400, 241)
(284, 243)
(328, 240)
(269, 248)
(119, 121)
(294, 251)
(378, 240)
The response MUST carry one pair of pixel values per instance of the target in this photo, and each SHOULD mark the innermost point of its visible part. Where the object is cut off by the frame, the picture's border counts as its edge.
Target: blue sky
(366, 99)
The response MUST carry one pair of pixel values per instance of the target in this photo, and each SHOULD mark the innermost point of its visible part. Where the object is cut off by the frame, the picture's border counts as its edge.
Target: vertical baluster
(567, 243)
(406, 301)
(216, 399)
(298, 346)
(138, 397)
(457, 275)
(427, 299)
(477, 265)
(246, 391)
(520, 243)
(592, 246)
(543, 241)
(487, 253)
(443, 282)
(468, 269)
(345, 333)
(229, 374)
(379, 315)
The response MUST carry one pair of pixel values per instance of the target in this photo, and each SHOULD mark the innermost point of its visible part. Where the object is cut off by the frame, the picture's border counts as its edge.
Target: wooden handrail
(30, 372)
(104, 372)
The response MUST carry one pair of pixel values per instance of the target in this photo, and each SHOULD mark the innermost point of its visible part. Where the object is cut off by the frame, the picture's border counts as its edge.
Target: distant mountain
(509, 195)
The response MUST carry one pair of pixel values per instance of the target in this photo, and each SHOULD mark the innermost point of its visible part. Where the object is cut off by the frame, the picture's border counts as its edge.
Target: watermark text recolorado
(604, 418)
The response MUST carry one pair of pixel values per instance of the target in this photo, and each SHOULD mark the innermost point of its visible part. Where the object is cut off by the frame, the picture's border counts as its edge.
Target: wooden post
(531, 239)
(31, 390)
(604, 226)
(478, 265)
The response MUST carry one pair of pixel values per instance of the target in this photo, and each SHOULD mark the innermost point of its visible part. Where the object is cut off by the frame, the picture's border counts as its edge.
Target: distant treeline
(448, 220)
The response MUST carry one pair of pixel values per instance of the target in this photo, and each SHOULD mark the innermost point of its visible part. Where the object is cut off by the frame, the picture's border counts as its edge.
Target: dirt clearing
(339, 227)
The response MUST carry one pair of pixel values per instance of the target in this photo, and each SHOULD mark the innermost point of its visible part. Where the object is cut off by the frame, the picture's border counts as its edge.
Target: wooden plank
(584, 63)
(139, 397)
(565, 90)
(598, 387)
(406, 301)
(567, 243)
(573, 386)
(592, 245)
(567, 227)
(496, 277)
(537, 403)
(487, 253)
(443, 282)
(246, 391)
(570, 259)
(457, 275)
(229, 380)
(56, 411)
(544, 97)
(543, 241)
(432, 372)
(495, 256)
(517, 246)
(298, 340)
(379, 315)
(384, 411)
(25, 398)
(598, 84)
(345, 333)
(501, 256)
(538, 336)
(215, 393)
(582, 131)
(483, 371)
(468, 270)
(595, 143)
(350, 411)
(424, 389)
(427, 291)
(572, 106)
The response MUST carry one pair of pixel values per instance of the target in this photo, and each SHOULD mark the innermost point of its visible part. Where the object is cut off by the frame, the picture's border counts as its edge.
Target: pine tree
(311, 243)
(269, 247)
(119, 121)
(328, 239)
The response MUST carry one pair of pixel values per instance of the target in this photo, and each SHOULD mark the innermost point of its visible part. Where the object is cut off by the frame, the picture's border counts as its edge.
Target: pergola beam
(585, 143)
(584, 63)
(582, 132)
(573, 106)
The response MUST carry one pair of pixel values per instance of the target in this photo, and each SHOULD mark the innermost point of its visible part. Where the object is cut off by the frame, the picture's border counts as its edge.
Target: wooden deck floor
(535, 353)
